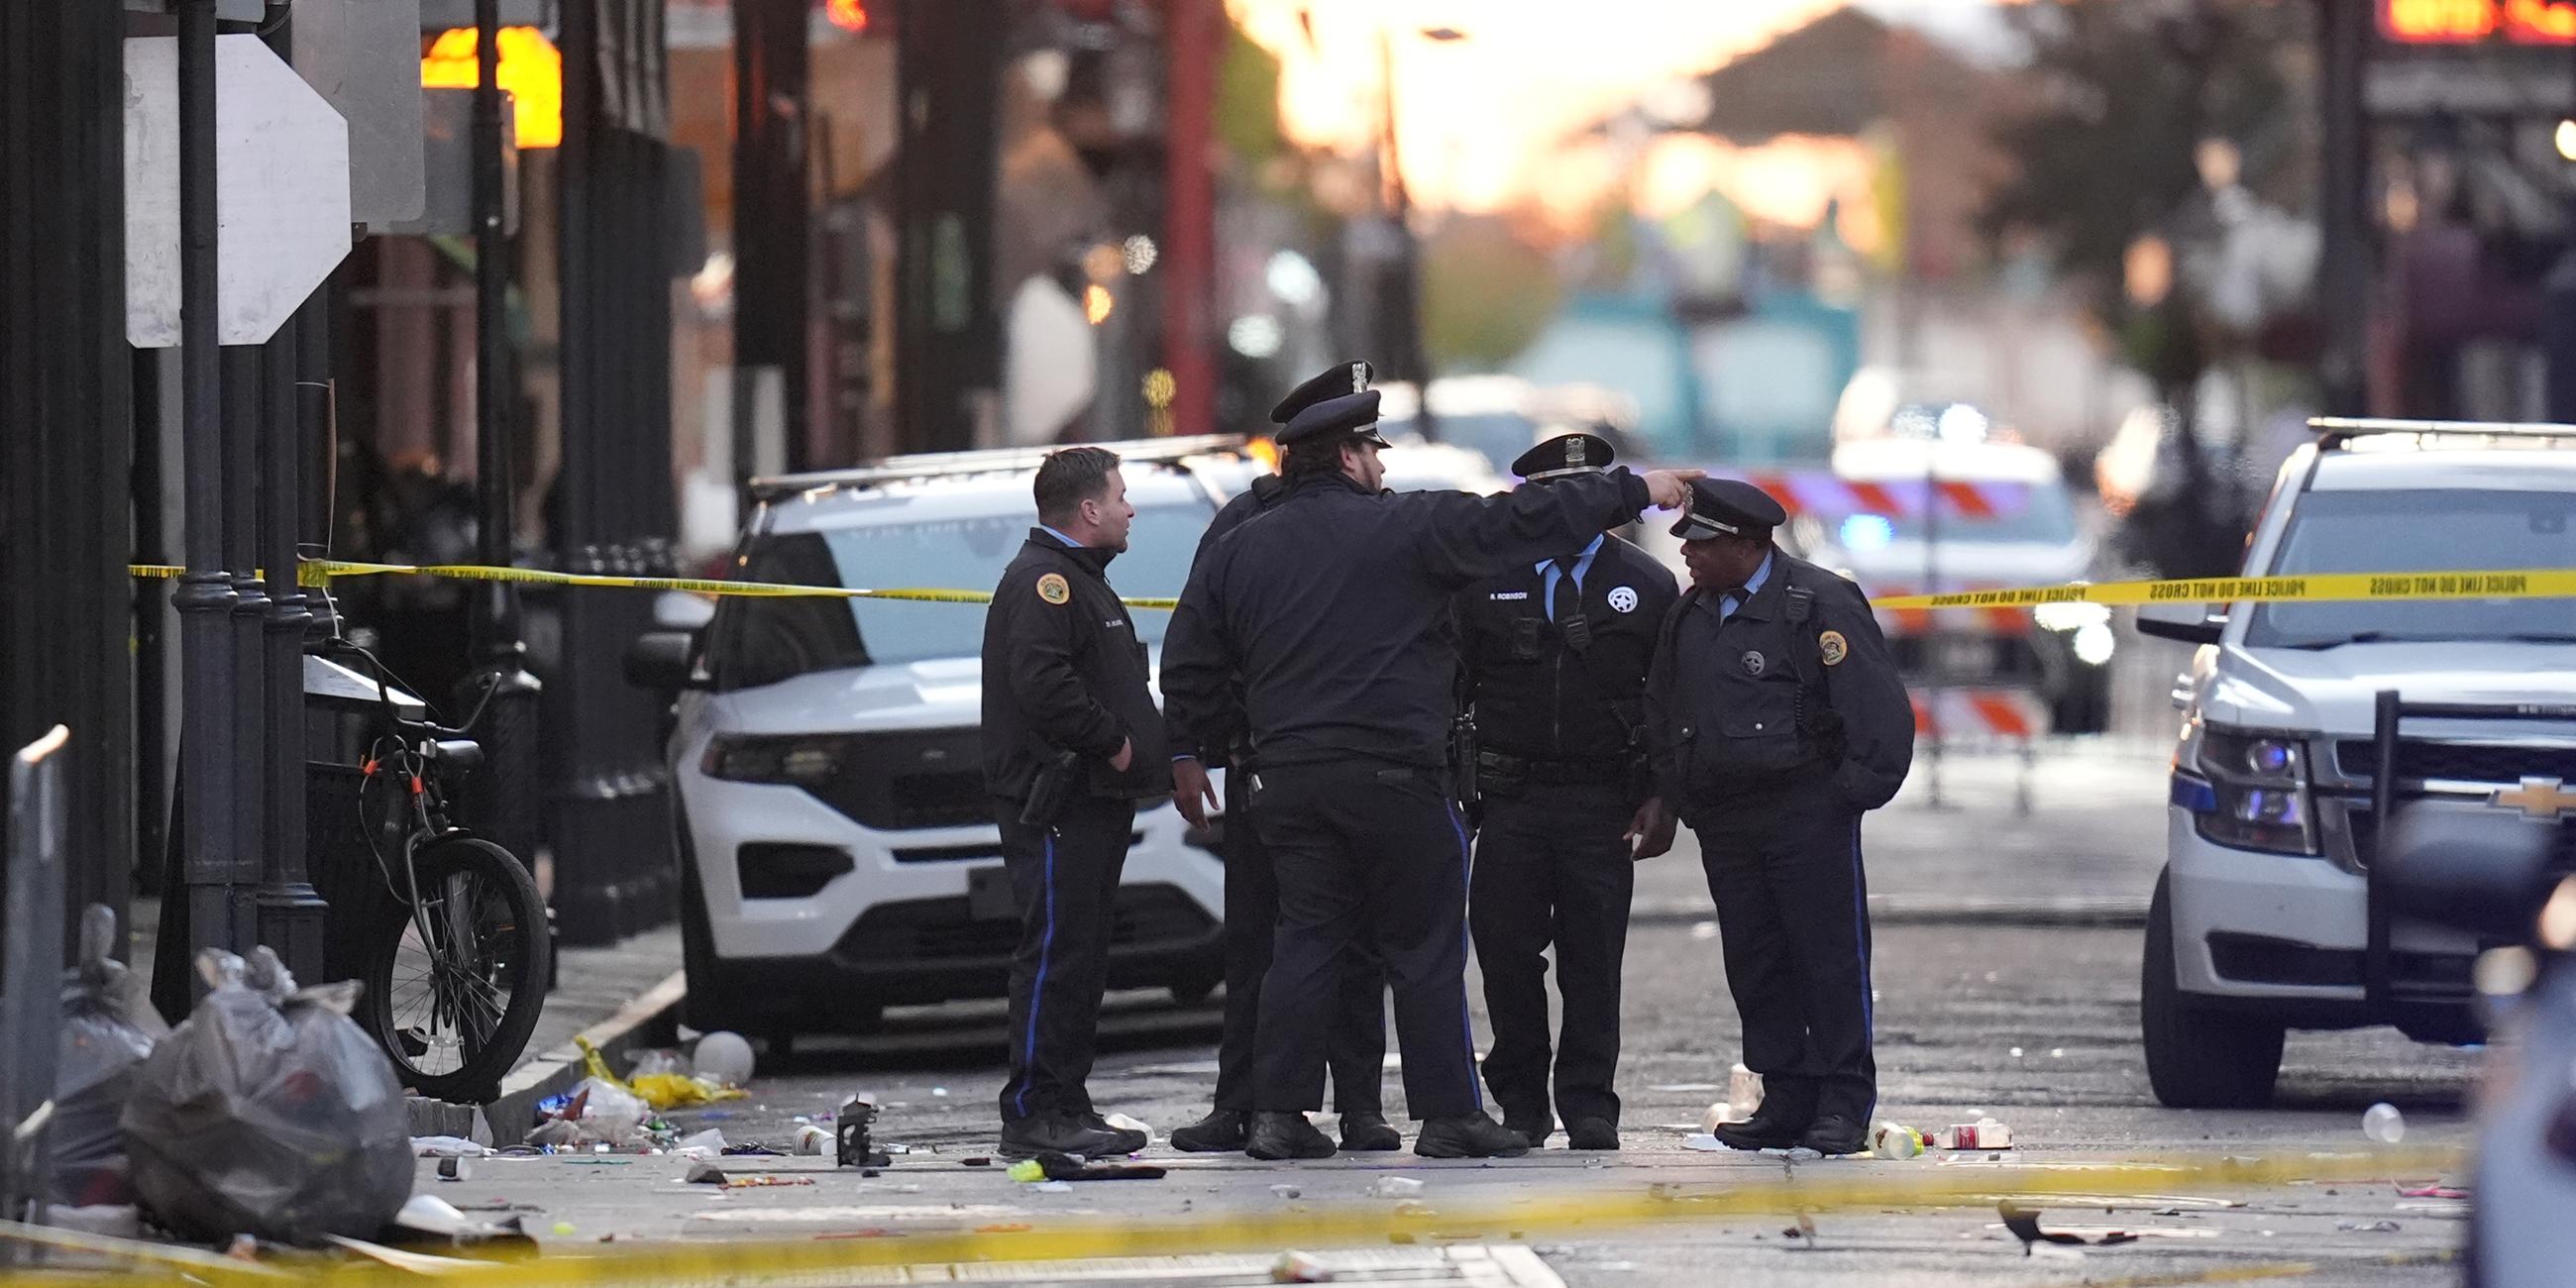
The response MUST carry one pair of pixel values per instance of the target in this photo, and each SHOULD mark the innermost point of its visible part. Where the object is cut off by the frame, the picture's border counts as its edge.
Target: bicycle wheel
(453, 992)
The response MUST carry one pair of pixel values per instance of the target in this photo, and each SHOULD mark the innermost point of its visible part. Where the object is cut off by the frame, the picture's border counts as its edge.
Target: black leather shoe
(1124, 1140)
(1834, 1134)
(1761, 1132)
(1277, 1136)
(1369, 1132)
(1591, 1133)
(1534, 1129)
(1471, 1135)
(1056, 1133)
(1222, 1132)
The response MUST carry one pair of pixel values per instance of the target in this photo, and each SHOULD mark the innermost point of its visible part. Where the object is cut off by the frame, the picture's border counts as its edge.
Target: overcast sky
(1477, 117)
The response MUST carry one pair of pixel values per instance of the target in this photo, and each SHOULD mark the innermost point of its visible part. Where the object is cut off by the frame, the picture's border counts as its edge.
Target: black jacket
(1725, 701)
(1536, 698)
(1333, 605)
(1220, 727)
(1063, 669)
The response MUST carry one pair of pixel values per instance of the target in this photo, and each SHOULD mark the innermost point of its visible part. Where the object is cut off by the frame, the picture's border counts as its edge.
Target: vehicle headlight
(2071, 616)
(799, 760)
(2258, 795)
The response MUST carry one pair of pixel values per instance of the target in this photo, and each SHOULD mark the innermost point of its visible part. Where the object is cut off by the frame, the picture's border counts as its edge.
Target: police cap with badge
(1564, 455)
(1340, 380)
(1352, 416)
(1728, 508)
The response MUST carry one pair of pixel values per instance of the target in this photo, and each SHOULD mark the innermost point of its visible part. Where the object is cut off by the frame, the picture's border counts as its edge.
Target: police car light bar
(1149, 451)
(2334, 431)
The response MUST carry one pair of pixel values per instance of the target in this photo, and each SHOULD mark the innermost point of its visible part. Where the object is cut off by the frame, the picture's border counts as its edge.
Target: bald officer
(1331, 607)
(1778, 720)
(1555, 655)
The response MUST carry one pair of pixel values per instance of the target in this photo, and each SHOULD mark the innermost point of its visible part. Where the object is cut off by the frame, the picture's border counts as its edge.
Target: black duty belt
(1605, 771)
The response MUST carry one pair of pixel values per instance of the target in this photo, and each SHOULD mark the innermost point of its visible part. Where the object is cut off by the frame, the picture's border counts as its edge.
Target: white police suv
(2307, 723)
(837, 847)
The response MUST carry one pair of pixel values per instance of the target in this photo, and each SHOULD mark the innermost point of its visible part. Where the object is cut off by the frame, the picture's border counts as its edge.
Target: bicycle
(457, 959)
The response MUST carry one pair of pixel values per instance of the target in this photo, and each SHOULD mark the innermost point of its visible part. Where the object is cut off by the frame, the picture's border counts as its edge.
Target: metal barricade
(31, 973)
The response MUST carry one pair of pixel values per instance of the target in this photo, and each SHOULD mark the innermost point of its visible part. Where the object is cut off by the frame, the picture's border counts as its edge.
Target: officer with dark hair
(1355, 1040)
(1328, 608)
(1778, 720)
(1555, 656)
(1071, 742)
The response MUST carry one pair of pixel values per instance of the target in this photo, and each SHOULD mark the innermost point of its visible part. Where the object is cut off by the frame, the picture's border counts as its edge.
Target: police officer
(1071, 742)
(1555, 656)
(1779, 719)
(1328, 606)
(1355, 1042)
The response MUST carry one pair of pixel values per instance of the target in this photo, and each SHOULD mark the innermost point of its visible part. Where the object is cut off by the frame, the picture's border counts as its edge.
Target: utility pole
(207, 595)
(505, 796)
(1189, 233)
(2343, 288)
(772, 294)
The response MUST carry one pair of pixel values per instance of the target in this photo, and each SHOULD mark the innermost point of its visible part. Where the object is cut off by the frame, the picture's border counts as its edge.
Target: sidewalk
(2085, 853)
(619, 995)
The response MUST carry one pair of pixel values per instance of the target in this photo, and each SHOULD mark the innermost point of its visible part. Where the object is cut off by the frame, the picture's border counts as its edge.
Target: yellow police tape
(1442, 1217)
(2527, 583)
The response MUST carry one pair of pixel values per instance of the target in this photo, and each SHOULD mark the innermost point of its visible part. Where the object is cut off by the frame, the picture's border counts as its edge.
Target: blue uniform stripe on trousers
(1466, 1025)
(1037, 992)
(1860, 944)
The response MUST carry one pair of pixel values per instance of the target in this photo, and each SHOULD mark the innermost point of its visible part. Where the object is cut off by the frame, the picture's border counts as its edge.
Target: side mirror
(661, 661)
(2189, 623)
(2482, 872)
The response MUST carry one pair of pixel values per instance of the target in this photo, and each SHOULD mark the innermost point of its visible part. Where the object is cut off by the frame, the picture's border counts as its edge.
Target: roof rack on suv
(2335, 431)
(927, 464)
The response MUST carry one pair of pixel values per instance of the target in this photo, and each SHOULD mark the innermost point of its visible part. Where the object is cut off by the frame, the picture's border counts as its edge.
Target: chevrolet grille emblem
(2539, 798)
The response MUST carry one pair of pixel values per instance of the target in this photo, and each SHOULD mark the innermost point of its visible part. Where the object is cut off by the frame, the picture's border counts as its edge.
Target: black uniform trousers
(1553, 866)
(1784, 869)
(1354, 1042)
(1370, 855)
(1065, 880)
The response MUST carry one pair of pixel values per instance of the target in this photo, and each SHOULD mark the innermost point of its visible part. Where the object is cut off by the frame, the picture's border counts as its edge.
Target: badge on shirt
(1624, 598)
(1834, 647)
(1052, 589)
(1509, 594)
(1752, 662)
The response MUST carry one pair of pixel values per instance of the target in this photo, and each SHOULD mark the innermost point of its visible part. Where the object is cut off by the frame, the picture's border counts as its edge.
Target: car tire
(2198, 1058)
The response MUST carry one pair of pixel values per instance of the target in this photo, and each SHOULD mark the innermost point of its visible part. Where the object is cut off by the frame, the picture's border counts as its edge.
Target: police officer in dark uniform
(1071, 742)
(1779, 719)
(1355, 1043)
(1554, 656)
(1327, 608)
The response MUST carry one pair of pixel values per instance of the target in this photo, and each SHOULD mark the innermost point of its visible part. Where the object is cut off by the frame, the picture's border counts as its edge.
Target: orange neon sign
(531, 74)
(2461, 22)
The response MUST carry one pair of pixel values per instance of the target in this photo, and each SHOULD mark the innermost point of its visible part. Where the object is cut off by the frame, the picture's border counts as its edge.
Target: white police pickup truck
(2305, 724)
(837, 847)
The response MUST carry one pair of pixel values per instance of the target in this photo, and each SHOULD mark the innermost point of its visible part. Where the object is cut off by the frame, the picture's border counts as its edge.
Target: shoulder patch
(1834, 647)
(1053, 589)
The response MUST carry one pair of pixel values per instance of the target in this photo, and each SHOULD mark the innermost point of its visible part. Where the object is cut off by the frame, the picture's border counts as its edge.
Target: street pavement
(2006, 969)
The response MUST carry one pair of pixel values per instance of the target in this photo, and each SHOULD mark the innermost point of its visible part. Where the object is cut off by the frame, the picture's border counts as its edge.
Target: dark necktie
(1568, 606)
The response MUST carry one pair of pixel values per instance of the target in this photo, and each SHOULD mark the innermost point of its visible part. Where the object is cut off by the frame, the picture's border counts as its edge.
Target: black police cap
(1351, 415)
(1340, 380)
(1728, 508)
(1563, 455)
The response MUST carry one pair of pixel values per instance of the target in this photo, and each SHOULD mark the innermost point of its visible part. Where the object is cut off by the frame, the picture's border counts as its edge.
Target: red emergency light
(2468, 22)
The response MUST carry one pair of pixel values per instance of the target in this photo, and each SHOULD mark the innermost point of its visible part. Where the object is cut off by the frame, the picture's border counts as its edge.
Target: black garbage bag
(109, 1026)
(270, 1113)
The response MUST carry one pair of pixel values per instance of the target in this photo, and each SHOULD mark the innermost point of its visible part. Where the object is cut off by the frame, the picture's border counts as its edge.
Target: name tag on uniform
(1509, 594)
